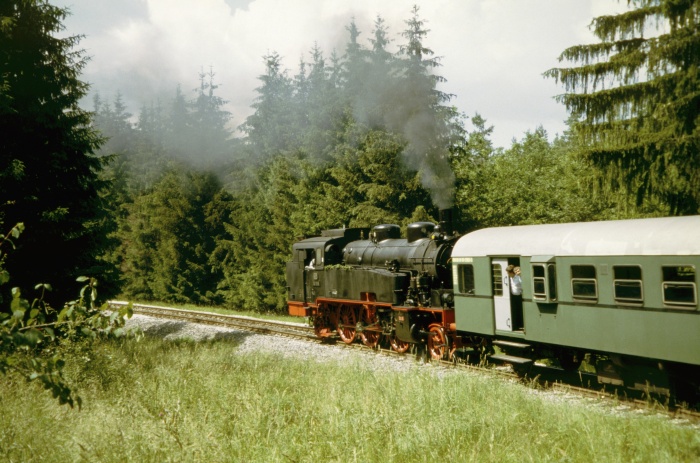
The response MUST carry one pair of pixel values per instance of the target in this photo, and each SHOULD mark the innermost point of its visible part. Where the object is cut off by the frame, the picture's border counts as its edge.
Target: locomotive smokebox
(447, 221)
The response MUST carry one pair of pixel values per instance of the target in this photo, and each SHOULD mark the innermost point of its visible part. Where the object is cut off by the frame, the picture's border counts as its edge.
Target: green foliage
(534, 181)
(636, 100)
(167, 238)
(49, 176)
(31, 334)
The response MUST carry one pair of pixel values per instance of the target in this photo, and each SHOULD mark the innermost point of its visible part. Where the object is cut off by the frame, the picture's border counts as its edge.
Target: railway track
(578, 383)
(229, 321)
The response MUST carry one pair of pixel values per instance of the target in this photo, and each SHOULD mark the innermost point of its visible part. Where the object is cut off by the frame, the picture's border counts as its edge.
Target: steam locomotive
(623, 294)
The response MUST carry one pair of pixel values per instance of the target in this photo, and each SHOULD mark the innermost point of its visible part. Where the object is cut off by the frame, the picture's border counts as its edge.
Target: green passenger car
(626, 289)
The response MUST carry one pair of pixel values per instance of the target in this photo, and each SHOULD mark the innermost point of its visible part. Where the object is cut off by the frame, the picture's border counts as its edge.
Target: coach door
(501, 294)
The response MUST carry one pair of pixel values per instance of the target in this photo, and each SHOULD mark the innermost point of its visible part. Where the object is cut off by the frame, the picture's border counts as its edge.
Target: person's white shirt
(516, 285)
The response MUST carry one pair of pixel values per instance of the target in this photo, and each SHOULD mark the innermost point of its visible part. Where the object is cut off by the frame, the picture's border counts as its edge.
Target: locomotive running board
(511, 359)
(511, 344)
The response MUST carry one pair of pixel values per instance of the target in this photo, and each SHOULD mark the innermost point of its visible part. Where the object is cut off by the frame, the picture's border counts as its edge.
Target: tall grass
(157, 401)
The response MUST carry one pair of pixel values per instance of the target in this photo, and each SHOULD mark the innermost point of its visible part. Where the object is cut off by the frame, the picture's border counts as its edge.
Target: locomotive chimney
(446, 222)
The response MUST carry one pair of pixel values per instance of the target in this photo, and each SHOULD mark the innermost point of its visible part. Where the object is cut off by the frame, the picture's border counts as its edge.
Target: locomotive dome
(654, 237)
(418, 230)
(385, 232)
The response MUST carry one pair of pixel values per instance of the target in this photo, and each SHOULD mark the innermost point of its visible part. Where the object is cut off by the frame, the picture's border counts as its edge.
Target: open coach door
(507, 307)
(501, 294)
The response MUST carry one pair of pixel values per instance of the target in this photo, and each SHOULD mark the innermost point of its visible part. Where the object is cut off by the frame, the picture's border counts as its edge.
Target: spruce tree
(636, 100)
(48, 172)
(272, 128)
(210, 137)
(424, 119)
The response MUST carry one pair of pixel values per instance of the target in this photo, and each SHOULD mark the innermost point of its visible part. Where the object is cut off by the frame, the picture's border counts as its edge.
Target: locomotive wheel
(437, 342)
(346, 324)
(369, 338)
(399, 345)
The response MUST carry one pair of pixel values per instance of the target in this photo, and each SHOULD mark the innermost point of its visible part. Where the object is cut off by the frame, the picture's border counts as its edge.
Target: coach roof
(651, 237)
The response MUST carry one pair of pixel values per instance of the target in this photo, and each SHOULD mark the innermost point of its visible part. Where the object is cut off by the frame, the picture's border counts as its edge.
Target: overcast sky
(493, 52)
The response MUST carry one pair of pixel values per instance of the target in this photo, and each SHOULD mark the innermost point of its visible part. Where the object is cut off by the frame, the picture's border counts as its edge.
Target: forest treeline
(187, 209)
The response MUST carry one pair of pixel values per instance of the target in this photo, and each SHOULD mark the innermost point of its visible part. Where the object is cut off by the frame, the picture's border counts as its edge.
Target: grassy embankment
(158, 401)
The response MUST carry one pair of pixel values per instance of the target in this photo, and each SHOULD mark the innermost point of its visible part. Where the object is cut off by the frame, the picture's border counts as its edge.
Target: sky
(492, 52)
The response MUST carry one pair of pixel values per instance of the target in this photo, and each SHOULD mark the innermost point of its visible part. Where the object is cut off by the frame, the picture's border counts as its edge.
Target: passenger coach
(625, 292)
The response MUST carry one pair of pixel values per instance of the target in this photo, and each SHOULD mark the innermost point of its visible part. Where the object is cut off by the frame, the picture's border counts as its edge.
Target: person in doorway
(516, 282)
(516, 296)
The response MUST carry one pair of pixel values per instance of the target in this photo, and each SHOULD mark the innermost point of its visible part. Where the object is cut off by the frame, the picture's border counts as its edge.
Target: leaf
(82, 278)
(17, 229)
(4, 277)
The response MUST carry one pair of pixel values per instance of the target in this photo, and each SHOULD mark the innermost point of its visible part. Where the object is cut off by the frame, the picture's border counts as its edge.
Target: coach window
(583, 282)
(544, 282)
(497, 280)
(627, 283)
(466, 279)
(679, 285)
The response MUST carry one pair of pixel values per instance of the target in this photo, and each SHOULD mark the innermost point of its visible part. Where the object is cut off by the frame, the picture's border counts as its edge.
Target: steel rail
(229, 321)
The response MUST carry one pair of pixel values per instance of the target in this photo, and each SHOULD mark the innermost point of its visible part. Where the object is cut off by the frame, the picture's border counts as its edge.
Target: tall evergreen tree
(321, 108)
(209, 139)
(368, 76)
(636, 98)
(48, 170)
(422, 116)
(272, 128)
(178, 124)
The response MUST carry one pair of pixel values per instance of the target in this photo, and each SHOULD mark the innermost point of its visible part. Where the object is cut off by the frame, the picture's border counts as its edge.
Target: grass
(155, 401)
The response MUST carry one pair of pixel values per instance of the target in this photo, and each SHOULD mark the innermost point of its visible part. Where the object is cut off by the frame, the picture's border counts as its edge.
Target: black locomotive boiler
(371, 283)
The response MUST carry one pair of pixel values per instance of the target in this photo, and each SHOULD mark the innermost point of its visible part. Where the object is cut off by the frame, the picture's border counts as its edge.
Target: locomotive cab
(309, 258)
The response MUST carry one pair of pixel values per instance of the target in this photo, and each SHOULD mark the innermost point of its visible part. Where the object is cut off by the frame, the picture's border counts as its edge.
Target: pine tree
(271, 129)
(424, 120)
(636, 100)
(112, 120)
(210, 135)
(48, 170)
(374, 78)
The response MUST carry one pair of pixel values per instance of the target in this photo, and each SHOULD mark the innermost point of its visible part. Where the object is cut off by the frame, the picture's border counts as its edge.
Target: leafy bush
(31, 334)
